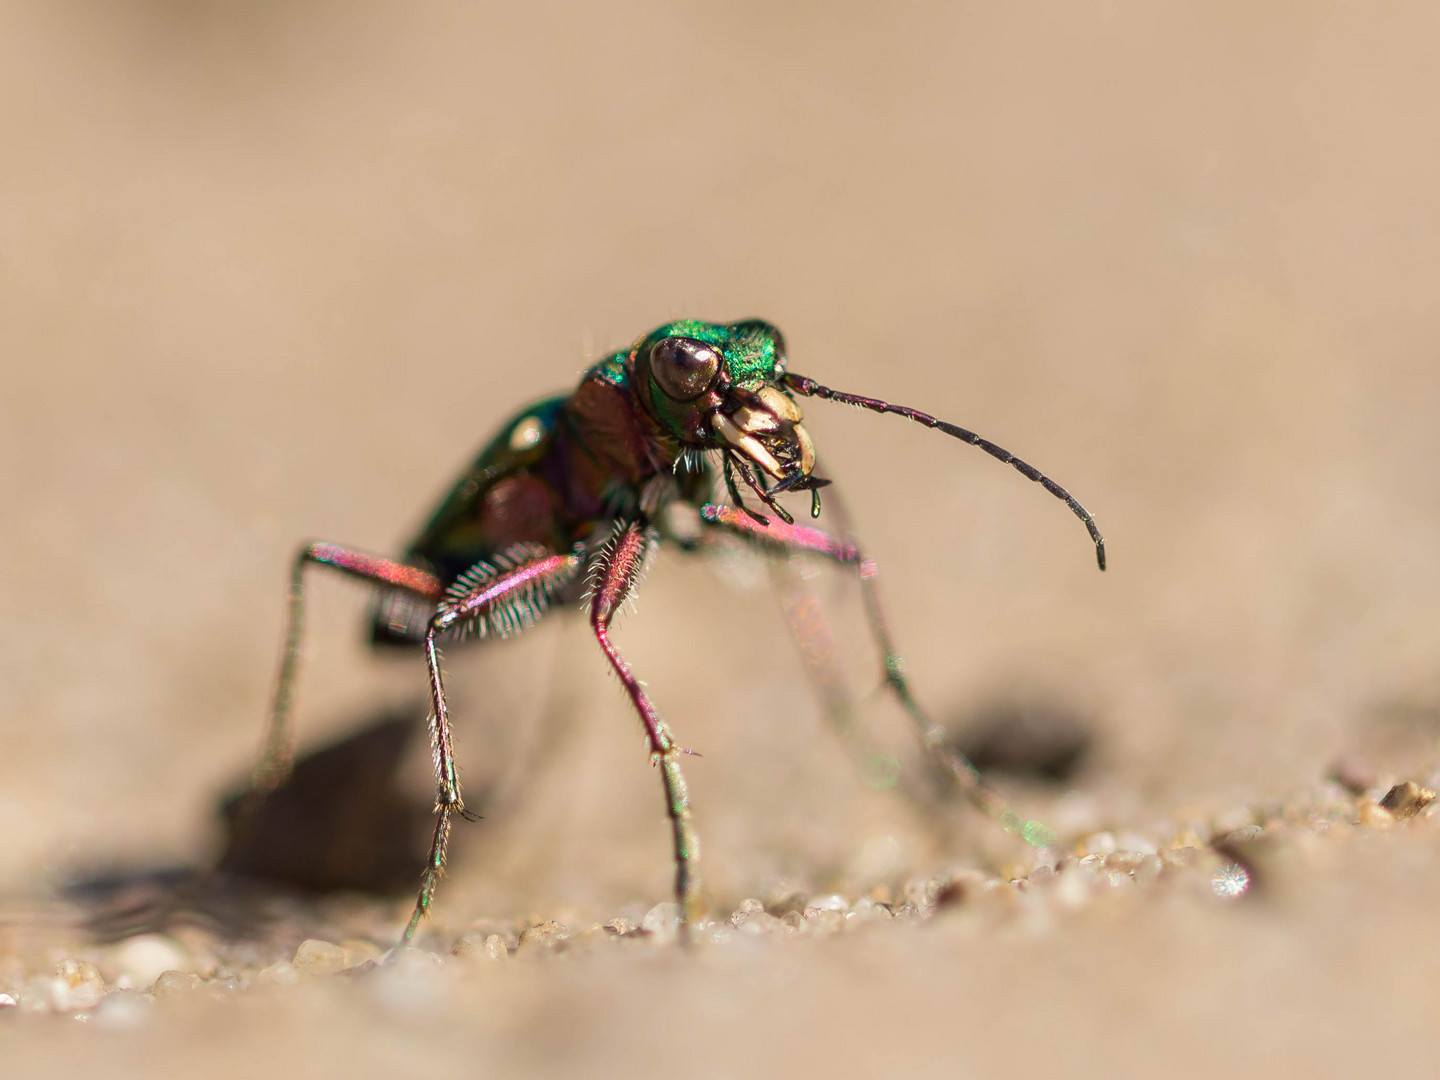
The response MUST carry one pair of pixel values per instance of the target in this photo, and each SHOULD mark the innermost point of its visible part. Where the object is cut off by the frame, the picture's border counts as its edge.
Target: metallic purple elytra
(571, 498)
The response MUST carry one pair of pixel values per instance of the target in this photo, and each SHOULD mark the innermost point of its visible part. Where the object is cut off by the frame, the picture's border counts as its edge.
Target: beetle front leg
(534, 577)
(616, 580)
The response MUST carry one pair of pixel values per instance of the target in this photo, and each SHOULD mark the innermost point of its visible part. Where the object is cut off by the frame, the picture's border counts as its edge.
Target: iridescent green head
(718, 386)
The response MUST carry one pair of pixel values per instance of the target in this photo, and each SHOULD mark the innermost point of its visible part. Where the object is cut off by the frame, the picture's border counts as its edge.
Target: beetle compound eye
(683, 367)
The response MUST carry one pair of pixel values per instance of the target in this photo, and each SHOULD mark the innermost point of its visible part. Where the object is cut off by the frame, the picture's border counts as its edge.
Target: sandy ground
(273, 271)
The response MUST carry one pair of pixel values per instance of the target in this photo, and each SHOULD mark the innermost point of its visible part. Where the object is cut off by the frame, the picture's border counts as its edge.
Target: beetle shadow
(1027, 737)
(342, 823)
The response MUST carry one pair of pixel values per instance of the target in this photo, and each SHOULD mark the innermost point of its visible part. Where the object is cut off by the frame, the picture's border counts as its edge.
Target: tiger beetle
(568, 503)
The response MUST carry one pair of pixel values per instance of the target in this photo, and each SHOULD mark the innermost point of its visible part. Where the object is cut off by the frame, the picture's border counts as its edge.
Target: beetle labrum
(568, 502)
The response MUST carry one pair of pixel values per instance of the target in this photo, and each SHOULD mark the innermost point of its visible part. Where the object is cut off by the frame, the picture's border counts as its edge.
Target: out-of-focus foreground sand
(271, 271)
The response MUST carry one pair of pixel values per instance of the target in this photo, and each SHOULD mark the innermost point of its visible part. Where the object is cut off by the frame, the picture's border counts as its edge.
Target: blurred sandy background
(273, 271)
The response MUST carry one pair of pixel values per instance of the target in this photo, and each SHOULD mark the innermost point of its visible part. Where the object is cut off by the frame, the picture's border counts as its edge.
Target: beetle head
(718, 386)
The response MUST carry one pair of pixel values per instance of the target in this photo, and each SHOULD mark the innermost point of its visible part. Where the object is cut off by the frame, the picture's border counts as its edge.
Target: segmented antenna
(810, 388)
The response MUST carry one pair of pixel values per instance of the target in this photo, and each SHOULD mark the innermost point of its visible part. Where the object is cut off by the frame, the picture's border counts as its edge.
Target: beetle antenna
(810, 388)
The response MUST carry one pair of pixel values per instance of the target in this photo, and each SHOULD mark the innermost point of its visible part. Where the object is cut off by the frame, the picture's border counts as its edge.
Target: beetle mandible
(569, 501)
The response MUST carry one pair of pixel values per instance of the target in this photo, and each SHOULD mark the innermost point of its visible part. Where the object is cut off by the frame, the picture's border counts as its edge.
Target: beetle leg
(798, 539)
(615, 580)
(533, 576)
(277, 755)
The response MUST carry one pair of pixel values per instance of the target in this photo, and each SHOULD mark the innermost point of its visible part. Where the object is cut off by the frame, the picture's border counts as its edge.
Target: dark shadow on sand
(342, 823)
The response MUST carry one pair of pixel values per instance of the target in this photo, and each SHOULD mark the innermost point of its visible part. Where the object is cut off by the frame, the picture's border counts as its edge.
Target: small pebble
(8, 1001)
(830, 902)
(1180, 857)
(747, 909)
(1244, 835)
(358, 951)
(174, 983)
(316, 957)
(760, 922)
(1407, 799)
(476, 948)
(140, 960)
(280, 973)
(662, 921)
(920, 892)
(225, 981)
(1039, 877)
(547, 934)
(1188, 837)
(1044, 856)
(80, 986)
(123, 1010)
(866, 909)
(469, 947)
(1100, 843)
(620, 927)
(1231, 820)
(495, 947)
(1124, 862)
(1148, 869)
(1375, 816)
(824, 920)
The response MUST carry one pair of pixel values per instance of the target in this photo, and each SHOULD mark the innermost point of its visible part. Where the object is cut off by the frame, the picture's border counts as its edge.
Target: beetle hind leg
(278, 746)
(798, 539)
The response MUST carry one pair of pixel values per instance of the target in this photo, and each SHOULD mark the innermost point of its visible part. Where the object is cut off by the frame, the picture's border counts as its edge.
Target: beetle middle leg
(517, 594)
(614, 581)
(801, 539)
